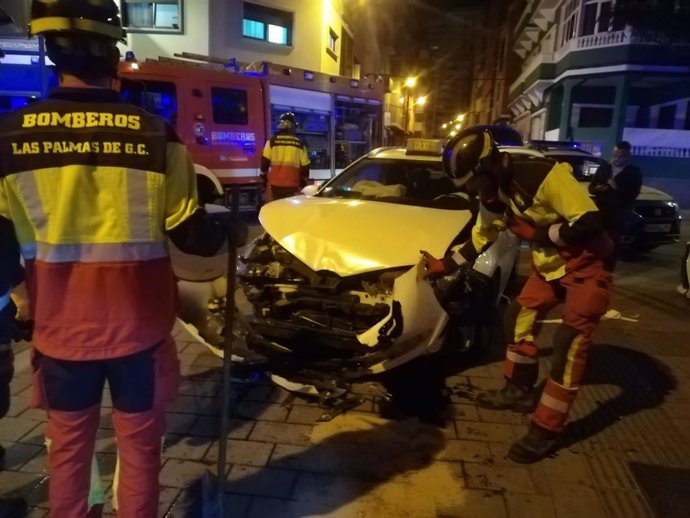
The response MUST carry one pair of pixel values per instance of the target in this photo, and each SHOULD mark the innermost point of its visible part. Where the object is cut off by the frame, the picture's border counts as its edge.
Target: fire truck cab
(225, 112)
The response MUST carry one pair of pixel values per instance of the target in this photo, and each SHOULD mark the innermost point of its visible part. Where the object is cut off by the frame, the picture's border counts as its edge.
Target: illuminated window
(265, 23)
(161, 16)
(332, 41)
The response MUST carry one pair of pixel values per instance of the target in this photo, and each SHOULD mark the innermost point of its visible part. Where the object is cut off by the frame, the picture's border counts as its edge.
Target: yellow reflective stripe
(524, 325)
(570, 363)
(55, 23)
(486, 148)
(180, 186)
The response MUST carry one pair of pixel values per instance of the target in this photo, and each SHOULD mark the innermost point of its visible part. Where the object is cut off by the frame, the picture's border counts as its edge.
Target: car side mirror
(310, 190)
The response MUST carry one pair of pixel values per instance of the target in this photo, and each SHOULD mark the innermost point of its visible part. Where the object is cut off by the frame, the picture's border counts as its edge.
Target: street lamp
(411, 82)
(421, 101)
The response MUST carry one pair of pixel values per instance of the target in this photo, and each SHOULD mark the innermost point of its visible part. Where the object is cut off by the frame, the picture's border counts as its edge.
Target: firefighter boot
(536, 445)
(510, 397)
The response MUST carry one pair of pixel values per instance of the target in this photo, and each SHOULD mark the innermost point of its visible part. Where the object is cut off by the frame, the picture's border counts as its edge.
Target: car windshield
(405, 182)
(584, 167)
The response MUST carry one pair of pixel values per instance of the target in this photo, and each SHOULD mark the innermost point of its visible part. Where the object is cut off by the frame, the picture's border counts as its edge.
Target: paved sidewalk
(629, 443)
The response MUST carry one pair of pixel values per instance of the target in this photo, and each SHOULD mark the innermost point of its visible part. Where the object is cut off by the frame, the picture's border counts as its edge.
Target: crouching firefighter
(541, 202)
(94, 187)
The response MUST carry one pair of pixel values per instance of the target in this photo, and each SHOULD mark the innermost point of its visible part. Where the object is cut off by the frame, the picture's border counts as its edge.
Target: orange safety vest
(287, 154)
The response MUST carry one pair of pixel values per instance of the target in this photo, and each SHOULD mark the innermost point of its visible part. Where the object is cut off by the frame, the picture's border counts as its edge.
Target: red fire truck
(224, 112)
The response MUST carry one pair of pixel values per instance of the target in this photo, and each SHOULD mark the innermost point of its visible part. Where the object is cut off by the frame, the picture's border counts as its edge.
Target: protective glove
(521, 228)
(434, 267)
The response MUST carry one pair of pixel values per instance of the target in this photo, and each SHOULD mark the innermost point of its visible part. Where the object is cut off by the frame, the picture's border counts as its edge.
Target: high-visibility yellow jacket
(92, 185)
(547, 195)
(287, 157)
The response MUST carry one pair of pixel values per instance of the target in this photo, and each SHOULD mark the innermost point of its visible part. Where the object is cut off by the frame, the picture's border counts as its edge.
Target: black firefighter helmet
(287, 122)
(469, 153)
(81, 36)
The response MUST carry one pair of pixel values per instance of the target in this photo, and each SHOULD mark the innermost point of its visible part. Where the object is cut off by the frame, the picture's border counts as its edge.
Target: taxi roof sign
(424, 146)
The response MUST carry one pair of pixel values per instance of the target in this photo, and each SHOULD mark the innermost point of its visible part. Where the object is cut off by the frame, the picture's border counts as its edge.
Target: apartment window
(569, 20)
(346, 55)
(265, 23)
(667, 117)
(229, 106)
(594, 117)
(161, 16)
(596, 17)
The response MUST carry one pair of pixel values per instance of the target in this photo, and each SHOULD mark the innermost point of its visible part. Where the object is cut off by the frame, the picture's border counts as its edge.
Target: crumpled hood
(652, 194)
(349, 237)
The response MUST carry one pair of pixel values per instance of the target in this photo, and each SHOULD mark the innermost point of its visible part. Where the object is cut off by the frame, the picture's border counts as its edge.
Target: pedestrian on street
(285, 161)
(94, 187)
(541, 202)
(615, 187)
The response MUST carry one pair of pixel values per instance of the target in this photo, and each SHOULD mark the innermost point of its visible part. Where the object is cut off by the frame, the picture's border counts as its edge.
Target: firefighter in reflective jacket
(285, 161)
(94, 187)
(542, 203)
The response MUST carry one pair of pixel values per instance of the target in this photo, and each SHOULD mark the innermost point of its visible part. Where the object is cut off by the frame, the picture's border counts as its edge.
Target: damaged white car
(335, 287)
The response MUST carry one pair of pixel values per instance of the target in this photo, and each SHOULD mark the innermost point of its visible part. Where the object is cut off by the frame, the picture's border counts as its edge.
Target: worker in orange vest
(285, 161)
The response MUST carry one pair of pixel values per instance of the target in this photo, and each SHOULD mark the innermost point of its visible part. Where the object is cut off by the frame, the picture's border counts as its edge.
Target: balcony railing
(603, 39)
(661, 151)
(658, 142)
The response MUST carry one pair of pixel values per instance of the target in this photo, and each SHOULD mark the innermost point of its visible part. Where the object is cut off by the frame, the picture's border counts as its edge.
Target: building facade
(308, 34)
(587, 77)
(496, 65)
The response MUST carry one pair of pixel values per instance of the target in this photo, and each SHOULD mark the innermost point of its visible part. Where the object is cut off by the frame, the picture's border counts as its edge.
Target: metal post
(227, 354)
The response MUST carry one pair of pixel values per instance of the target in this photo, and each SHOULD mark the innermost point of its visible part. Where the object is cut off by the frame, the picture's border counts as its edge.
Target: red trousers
(140, 386)
(585, 294)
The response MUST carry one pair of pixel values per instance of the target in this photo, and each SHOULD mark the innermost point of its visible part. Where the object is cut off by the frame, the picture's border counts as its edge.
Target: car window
(409, 182)
(584, 167)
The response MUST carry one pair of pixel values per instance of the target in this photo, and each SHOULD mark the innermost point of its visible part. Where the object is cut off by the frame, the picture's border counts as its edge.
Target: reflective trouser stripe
(522, 364)
(524, 325)
(554, 406)
(517, 358)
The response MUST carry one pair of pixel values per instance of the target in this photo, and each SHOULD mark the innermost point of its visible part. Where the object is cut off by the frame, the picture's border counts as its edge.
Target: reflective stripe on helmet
(56, 24)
